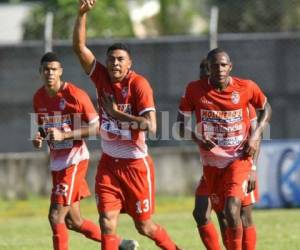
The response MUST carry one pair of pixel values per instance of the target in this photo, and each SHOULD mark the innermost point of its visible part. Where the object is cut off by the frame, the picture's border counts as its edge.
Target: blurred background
(168, 39)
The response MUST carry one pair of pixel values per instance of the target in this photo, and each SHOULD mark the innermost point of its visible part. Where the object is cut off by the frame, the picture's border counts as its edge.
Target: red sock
(90, 230)
(249, 238)
(162, 239)
(110, 242)
(235, 235)
(209, 236)
(60, 236)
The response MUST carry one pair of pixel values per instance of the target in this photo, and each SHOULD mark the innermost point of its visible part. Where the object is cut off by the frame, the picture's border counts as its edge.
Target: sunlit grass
(24, 225)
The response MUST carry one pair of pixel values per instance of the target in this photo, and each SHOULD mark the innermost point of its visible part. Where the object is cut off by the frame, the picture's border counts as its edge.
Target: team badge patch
(62, 104)
(235, 97)
(124, 92)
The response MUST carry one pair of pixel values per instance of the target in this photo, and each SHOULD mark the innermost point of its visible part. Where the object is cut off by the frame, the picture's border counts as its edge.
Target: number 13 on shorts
(142, 206)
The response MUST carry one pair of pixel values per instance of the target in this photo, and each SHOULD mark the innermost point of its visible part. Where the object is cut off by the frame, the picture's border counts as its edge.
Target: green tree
(257, 15)
(177, 16)
(110, 18)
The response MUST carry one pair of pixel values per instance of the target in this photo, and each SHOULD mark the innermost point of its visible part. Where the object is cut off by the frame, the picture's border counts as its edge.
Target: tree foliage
(177, 16)
(109, 18)
(257, 15)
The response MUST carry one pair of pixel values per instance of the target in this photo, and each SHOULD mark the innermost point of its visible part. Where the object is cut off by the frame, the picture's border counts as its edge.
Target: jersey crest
(235, 97)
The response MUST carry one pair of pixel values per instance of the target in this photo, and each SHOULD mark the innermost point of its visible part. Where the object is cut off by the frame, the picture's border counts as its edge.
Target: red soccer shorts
(126, 185)
(69, 184)
(220, 183)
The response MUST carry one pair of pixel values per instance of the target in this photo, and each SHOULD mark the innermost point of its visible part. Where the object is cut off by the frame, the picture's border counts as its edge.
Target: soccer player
(125, 176)
(65, 114)
(220, 103)
(249, 231)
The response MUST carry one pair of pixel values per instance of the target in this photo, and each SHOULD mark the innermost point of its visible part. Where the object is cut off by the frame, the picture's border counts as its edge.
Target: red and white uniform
(223, 116)
(66, 110)
(250, 198)
(69, 158)
(124, 149)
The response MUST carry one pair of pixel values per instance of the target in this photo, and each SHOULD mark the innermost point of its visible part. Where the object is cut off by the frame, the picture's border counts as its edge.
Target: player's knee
(107, 224)
(200, 217)
(246, 219)
(53, 218)
(146, 228)
(72, 223)
(232, 211)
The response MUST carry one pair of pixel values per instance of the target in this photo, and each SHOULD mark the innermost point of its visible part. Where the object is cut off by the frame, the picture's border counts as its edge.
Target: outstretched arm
(85, 55)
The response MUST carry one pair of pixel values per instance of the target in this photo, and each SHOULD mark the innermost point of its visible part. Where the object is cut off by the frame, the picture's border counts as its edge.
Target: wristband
(253, 168)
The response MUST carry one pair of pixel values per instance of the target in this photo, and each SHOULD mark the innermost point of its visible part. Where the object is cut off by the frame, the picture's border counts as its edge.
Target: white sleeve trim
(146, 110)
(185, 113)
(93, 68)
(94, 120)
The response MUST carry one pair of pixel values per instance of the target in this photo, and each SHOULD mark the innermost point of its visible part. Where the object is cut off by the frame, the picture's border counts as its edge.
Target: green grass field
(24, 226)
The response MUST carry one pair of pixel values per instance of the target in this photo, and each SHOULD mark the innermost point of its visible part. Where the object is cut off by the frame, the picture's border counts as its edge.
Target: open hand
(109, 104)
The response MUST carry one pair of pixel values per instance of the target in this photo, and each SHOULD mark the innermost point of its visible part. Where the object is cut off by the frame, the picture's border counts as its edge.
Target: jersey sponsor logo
(62, 122)
(235, 97)
(108, 124)
(62, 104)
(218, 128)
(218, 116)
(230, 141)
(56, 120)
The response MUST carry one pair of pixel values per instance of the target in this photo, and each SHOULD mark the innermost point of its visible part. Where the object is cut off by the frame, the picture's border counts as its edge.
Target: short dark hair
(50, 57)
(121, 46)
(214, 52)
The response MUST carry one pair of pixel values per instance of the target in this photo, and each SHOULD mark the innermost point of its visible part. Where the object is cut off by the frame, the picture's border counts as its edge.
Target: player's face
(51, 73)
(118, 63)
(219, 68)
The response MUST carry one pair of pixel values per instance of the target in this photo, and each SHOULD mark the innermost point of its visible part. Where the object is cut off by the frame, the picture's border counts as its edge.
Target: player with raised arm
(221, 103)
(125, 176)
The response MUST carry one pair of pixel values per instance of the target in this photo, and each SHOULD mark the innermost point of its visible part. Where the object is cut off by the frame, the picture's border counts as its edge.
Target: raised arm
(85, 55)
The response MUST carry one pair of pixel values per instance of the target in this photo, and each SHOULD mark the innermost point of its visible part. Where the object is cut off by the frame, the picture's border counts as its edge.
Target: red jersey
(222, 116)
(66, 111)
(133, 96)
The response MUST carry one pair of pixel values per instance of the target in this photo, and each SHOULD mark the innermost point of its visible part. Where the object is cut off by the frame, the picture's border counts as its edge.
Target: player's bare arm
(85, 55)
(145, 122)
(264, 116)
(184, 132)
(55, 134)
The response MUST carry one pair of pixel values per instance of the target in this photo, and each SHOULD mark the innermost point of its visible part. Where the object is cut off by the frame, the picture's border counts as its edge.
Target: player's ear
(61, 71)
(230, 67)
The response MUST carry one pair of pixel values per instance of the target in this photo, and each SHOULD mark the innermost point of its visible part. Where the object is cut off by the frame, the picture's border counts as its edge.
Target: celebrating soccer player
(221, 105)
(125, 176)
